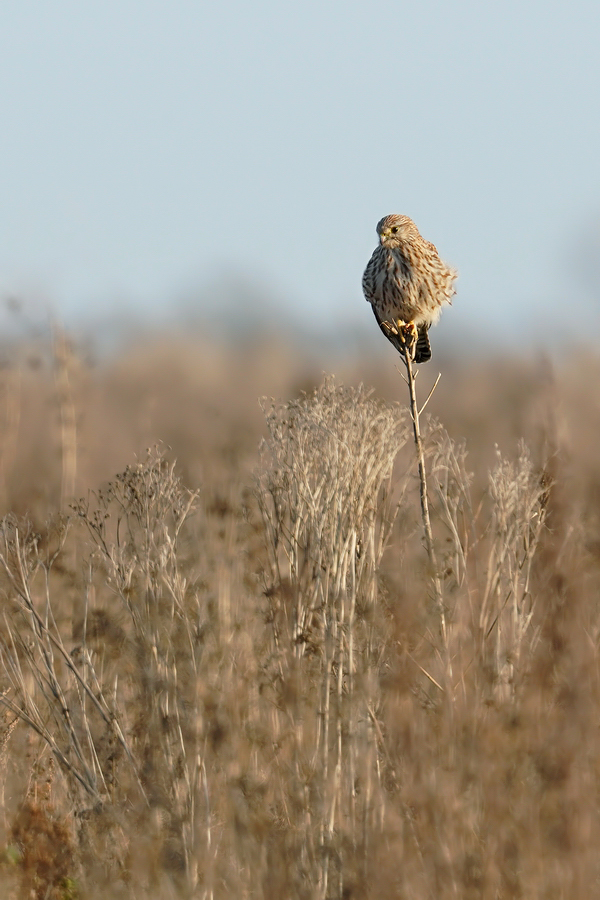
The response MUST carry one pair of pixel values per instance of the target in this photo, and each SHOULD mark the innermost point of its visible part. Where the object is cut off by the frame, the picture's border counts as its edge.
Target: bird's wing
(392, 338)
(431, 247)
(368, 282)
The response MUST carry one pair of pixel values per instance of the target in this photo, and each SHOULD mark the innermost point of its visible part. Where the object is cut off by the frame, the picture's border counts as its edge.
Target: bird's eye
(394, 229)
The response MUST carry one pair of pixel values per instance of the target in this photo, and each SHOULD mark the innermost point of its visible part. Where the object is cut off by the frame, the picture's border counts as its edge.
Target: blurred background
(225, 165)
(189, 198)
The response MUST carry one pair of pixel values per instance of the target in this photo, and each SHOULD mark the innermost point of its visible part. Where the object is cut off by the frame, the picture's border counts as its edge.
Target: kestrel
(407, 284)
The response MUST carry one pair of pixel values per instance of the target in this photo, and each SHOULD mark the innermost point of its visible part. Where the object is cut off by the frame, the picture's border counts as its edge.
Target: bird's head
(395, 230)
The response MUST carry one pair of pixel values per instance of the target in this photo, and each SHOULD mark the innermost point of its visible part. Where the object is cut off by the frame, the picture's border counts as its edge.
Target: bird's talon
(408, 333)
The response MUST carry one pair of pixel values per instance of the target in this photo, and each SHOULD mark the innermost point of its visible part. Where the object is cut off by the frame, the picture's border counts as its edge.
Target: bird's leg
(409, 333)
(406, 331)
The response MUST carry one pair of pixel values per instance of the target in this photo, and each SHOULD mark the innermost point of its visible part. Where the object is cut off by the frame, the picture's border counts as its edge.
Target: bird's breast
(392, 273)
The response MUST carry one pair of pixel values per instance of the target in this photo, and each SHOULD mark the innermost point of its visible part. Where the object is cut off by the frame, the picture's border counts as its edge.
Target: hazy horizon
(156, 156)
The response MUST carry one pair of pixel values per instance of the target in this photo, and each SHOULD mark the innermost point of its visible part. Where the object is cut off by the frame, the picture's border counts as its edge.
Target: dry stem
(415, 413)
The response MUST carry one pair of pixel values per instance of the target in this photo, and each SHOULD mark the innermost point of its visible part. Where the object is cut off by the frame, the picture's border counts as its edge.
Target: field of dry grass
(221, 662)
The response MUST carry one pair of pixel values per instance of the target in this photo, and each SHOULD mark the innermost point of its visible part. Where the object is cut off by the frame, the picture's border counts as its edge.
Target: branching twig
(415, 413)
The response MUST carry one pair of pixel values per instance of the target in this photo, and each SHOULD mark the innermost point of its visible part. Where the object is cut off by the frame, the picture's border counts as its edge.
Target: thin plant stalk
(415, 414)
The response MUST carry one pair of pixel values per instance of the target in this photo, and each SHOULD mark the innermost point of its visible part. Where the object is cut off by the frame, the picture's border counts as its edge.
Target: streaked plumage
(407, 284)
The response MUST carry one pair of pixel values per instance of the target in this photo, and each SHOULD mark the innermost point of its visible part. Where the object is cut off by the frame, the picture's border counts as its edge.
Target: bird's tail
(423, 348)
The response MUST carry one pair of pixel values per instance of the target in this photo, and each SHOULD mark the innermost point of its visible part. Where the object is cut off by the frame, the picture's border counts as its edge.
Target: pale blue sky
(155, 150)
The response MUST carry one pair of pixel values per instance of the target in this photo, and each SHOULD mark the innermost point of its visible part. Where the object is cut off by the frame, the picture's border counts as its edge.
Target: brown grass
(222, 670)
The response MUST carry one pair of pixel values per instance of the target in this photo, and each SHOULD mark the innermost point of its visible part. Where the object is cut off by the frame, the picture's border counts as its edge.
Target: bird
(407, 284)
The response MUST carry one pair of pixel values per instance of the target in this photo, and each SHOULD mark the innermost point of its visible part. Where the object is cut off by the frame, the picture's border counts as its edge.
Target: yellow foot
(409, 333)
(406, 331)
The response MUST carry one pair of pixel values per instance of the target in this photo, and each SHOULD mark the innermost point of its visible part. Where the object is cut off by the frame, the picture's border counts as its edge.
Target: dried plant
(244, 691)
(64, 366)
(69, 695)
(406, 348)
(328, 508)
(505, 532)
(519, 501)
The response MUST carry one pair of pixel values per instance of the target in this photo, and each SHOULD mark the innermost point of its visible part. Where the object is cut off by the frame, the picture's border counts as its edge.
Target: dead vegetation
(222, 670)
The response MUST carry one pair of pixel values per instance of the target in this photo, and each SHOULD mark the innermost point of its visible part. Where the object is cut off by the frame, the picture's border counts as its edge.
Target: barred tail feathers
(423, 348)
